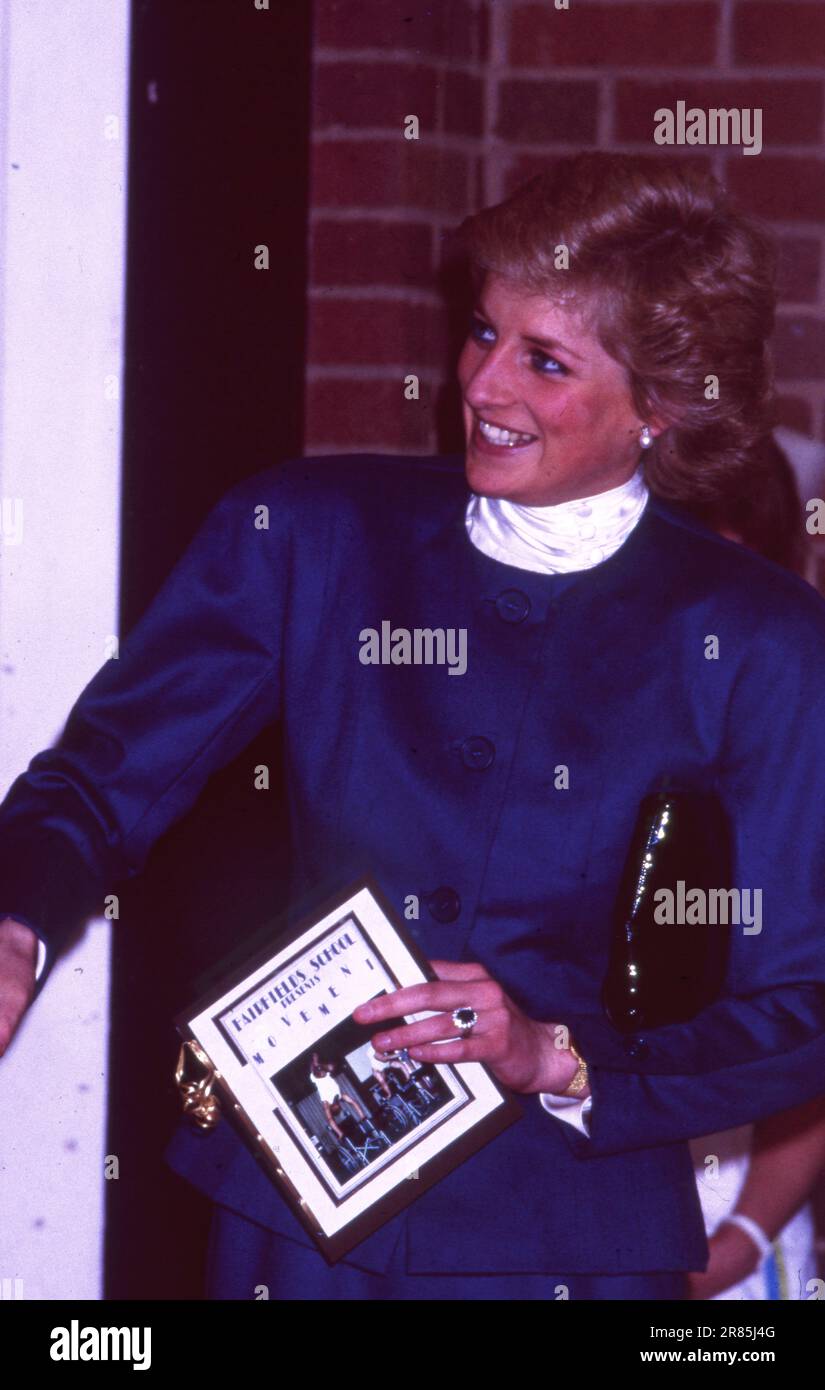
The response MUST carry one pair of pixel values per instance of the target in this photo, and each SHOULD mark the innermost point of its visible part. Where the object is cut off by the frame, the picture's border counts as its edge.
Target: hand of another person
(733, 1256)
(523, 1053)
(18, 963)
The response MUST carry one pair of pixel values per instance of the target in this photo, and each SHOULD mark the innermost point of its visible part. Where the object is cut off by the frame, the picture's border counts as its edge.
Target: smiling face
(548, 415)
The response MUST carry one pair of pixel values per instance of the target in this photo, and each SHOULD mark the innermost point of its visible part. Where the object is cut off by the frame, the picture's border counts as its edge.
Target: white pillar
(63, 165)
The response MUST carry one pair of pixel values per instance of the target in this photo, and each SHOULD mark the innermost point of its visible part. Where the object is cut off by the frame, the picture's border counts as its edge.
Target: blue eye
(478, 328)
(540, 361)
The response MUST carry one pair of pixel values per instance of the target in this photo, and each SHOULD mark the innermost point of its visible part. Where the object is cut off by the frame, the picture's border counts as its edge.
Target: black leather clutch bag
(671, 927)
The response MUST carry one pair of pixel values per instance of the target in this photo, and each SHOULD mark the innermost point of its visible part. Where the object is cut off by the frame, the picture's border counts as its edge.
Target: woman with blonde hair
(615, 367)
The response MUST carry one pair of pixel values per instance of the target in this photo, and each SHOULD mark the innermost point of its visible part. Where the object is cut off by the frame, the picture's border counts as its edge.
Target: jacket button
(512, 606)
(636, 1047)
(444, 904)
(477, 752)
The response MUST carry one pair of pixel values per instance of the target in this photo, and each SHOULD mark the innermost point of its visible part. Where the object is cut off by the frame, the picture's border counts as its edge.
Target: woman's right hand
(18, 963)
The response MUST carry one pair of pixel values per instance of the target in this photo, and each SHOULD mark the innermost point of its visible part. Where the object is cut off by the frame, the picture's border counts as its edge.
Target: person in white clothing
(331, 1094)
(754, 1185)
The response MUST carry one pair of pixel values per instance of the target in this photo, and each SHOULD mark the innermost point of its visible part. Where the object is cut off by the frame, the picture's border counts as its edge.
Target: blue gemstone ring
(465, 1020)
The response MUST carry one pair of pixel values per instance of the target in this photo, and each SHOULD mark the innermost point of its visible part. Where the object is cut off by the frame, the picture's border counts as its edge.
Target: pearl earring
(645, 438)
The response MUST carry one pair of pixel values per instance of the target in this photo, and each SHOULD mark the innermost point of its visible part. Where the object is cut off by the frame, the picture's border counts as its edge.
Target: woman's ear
(655, 423)
(651, 412)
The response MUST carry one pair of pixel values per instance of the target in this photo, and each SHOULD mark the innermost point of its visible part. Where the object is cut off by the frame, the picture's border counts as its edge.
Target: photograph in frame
(350, 1135)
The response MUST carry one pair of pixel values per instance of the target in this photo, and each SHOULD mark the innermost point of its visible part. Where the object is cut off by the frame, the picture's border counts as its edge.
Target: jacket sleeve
(759, 1048)
(194, 682)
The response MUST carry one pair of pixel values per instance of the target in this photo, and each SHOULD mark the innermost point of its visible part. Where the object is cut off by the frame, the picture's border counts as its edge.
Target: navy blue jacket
(445, 787)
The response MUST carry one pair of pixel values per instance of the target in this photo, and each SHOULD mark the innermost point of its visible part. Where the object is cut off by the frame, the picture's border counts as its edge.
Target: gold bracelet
(581, 1079)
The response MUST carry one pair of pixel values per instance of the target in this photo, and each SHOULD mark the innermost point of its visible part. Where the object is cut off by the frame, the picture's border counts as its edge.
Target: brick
(367, 414)
(483, 25)
(783, 33)
(447, 29)
(479, 184)
(371, 252)
(787, 189)
(374, 331)
(389, 173)
(795, 412)
(791, 111)
(632, 35)
(463, 104)
(799, 270)
(799, 348)
(464, 31)
(537, 112)
(374, 94)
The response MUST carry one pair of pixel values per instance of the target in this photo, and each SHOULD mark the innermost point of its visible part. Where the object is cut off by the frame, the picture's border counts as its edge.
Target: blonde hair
(679, 287)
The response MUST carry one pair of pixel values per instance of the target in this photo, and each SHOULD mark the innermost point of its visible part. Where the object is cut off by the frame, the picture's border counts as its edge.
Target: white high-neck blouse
(559, 539)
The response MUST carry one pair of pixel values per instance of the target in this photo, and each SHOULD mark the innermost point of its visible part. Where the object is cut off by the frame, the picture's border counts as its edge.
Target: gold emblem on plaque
(200, 1104)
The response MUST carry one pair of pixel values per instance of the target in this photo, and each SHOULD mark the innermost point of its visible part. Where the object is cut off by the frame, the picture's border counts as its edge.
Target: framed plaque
(349, 1136)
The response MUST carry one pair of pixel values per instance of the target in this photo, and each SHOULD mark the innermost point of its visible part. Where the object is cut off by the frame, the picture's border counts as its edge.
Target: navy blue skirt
(247, 1261)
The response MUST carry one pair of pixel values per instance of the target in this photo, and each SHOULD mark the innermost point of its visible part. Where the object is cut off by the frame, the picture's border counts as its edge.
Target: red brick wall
(380, 204)
(499, 87)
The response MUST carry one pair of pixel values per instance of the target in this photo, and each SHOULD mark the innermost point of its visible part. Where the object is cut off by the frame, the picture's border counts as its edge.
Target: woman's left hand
(524, 1054)
(733, 1257)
